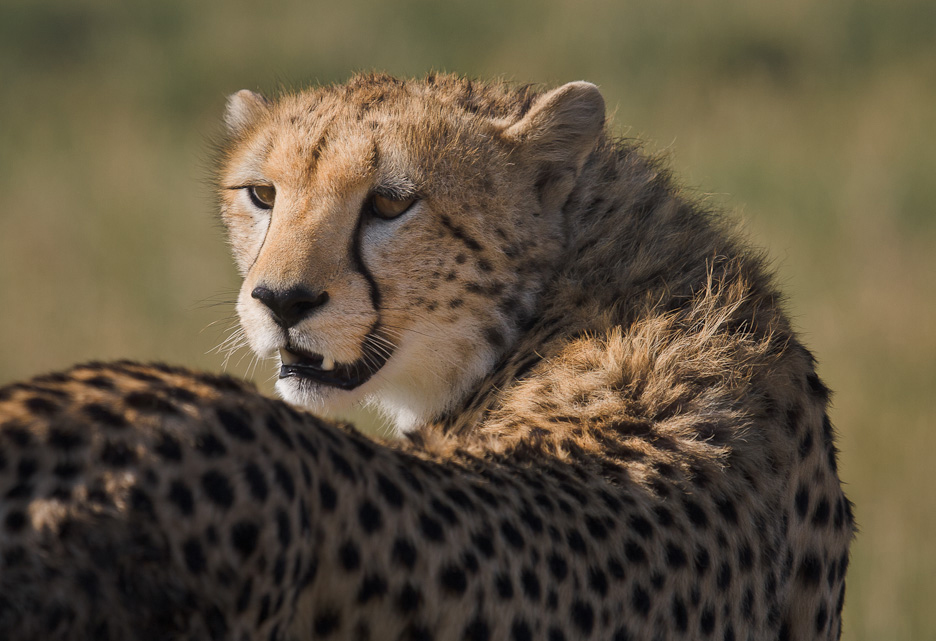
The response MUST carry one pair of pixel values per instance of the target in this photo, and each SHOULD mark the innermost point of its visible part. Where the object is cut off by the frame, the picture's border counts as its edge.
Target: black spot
(100, 382)
(530, 583)
(431, 528)
(452, 579)
(598, 581)
(680, 615)
(745, 557)
(341, 465)
(15, 521)
(349, 555)
(727, 509)
(511, 535)
(494, 337)
(181, 495)
(615, 569)
(116, 454)
(816, 386)
(747, 605)
(26, 469)
(256, 481)
(325, 623)
(244, 537)
(284, 479)
(810, 570)
(390, 491)
(641, 601)
(557, 566)
(243, 597)
(235, 425)
(702, 561)
(821, 617)
(575, 541)
(663, 516)
(482, 541)
(65, 439)
(707, 621)
(520, 631)
(404, 553)
(675, 556)
(275, 428)
(635, 553)
(642, 526)
(218, 489)
(555, 634)
(66, 470)
(485, 495)
(264, 613)
(373, 586)
(621, 634)
(443, 510)
(20, 491)
(17, 435)
(583, 617)
(328, 496)
(477, 630)
(41, 406)
(470, 561)
(168, 448)
(148, 402)
(696, 514)
(210, 446)
(304, 442)
(194, 556)
(820, 516)
(283, 528)
(409, 599)
(806, 445)
(104, 416)
(459, 498)
(802, 501)
(724, 576)
(369, 517)
(596, 527)
(181, 394)
(504, 586)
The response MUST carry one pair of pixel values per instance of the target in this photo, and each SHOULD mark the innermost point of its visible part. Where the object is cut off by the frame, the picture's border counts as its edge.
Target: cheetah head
(394, 237)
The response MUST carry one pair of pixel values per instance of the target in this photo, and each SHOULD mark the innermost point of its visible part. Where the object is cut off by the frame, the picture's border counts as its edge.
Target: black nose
(290, 306)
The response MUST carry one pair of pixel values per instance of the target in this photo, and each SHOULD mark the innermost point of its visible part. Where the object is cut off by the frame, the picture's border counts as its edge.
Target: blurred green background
(814, 121)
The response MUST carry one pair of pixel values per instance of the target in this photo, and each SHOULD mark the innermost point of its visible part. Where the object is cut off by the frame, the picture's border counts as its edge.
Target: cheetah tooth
(328, 363)
(287, 357)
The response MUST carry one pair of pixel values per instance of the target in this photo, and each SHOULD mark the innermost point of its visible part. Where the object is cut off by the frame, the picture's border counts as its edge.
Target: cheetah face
(392, 242)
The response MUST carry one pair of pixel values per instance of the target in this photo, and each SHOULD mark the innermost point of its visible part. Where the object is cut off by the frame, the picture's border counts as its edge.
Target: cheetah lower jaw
(323, 370)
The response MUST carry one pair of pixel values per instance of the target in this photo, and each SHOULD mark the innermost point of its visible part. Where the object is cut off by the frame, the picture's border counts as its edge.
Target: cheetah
(606, 427)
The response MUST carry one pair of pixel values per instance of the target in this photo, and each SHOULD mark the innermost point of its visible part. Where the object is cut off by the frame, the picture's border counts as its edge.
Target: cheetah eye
(388, 208)
(263, 196)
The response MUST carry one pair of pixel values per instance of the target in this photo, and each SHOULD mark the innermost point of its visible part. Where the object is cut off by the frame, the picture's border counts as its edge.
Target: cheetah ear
(563, 125)
(244, 108)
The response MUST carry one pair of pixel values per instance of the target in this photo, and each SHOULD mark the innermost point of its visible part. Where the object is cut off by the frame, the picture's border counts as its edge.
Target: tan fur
(611, 430)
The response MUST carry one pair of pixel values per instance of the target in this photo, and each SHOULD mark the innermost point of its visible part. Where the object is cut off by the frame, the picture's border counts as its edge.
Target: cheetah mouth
(324, 370)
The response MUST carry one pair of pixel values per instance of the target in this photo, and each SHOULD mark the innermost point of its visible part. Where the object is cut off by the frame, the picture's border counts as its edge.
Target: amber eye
(388, 207)
(263, 196)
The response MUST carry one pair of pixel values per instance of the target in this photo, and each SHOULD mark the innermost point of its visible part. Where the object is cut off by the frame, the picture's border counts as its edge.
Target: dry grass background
(816, 122)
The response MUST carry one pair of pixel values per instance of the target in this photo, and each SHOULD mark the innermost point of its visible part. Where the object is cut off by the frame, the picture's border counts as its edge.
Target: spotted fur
(629, 441)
